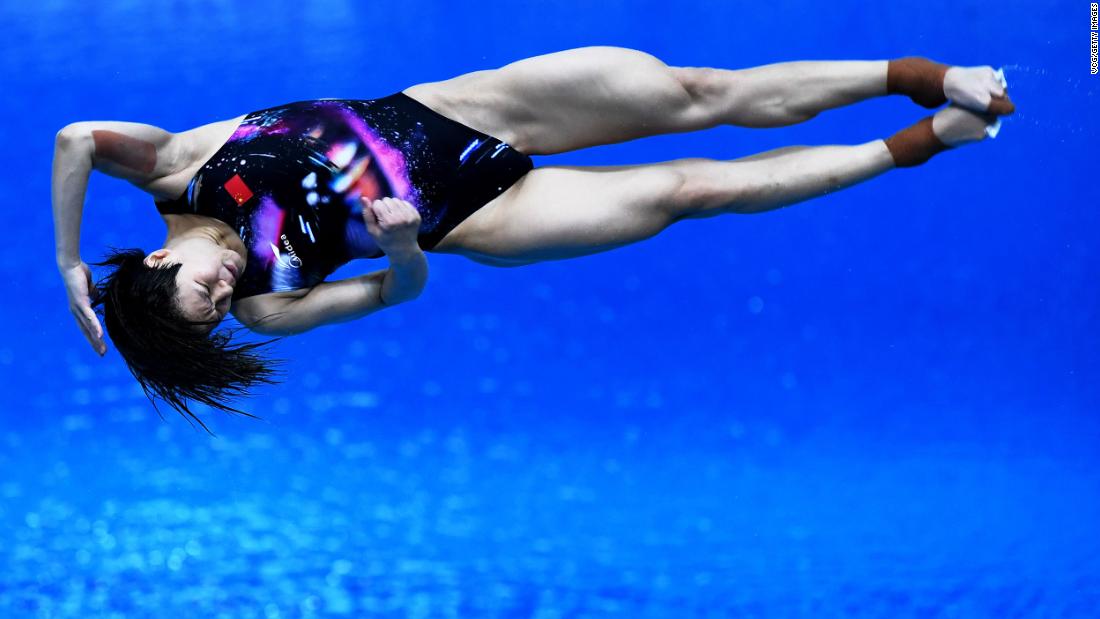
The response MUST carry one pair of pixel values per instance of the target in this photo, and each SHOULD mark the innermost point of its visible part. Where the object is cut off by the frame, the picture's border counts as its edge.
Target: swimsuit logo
(293, 261)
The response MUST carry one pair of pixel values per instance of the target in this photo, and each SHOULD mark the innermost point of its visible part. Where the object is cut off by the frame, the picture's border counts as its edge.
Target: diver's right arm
(394, 224)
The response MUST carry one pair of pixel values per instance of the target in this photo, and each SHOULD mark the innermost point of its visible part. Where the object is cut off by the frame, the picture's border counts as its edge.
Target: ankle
(918, 78)
(914, 145)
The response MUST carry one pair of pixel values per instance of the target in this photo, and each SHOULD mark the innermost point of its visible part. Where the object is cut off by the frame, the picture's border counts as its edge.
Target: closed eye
(213, 308)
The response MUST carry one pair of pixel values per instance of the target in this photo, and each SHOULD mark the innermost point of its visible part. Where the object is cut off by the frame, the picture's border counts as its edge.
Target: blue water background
(881, 403)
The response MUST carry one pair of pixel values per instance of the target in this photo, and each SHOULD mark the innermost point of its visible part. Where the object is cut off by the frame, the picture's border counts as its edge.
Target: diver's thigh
(568, 100)
(559, 212)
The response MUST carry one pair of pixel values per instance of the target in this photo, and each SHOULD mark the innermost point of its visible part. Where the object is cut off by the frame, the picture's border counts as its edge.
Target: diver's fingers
(93, 320)
(381, 210)
(90, 328)
(94, 328)
(370, 217)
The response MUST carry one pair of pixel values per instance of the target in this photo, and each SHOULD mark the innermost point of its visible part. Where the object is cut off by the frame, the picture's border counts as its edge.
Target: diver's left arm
(72, 164)
(126, 150)
(135, 152)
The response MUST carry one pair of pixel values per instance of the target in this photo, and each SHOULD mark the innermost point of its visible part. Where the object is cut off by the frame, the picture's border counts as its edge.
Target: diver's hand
(392, 222)
(78, 281)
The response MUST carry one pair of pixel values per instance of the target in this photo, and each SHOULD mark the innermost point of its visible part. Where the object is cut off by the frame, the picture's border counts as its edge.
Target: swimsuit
(290, 177)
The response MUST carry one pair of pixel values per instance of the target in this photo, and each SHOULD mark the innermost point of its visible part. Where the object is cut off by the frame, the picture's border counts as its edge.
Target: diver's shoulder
(190, 150)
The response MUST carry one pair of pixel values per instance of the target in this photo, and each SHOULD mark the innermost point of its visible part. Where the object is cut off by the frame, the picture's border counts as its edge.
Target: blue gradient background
(880, 403)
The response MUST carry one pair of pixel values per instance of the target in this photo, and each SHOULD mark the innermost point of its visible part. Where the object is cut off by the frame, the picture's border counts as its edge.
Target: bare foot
(980, 89)
(955, 125)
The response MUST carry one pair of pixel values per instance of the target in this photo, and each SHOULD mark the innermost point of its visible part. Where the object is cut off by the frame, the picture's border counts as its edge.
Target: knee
(705, 90)
(701, 189)
(660, 85)
(681, 189)
(697, 82)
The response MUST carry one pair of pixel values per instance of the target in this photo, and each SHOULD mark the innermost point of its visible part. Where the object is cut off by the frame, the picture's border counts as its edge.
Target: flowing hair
(168, 354)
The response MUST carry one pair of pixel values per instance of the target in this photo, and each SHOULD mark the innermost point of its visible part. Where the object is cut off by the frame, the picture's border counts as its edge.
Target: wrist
(65, 263)
(406, 277)
(405, 253)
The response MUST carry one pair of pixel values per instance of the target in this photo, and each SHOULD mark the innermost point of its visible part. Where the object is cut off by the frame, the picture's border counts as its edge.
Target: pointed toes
(1001, 105)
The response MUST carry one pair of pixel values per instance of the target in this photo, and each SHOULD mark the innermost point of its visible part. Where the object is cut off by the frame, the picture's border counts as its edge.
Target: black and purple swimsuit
(290, 177)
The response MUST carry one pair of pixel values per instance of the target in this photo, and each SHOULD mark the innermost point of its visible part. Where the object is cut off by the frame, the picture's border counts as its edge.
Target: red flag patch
(236, 188)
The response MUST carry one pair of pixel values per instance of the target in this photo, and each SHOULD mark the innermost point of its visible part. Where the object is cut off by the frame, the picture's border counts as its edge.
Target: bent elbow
(398, 301)
(71, 135)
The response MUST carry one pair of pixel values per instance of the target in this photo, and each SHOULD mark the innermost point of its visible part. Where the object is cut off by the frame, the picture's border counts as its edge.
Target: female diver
(262, 207)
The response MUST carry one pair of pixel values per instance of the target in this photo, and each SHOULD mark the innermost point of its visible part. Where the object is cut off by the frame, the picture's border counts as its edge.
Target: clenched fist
(393, 223)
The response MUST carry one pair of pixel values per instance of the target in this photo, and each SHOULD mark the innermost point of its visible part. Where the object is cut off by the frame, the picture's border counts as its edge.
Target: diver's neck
(186, 225)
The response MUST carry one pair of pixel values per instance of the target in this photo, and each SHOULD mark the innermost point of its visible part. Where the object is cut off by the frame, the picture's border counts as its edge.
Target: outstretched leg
(558, 212)
(786, 93)
(596, 95)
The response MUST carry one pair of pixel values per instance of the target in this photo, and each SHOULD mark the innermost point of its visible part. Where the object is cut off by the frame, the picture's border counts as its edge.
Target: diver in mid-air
(261, 208)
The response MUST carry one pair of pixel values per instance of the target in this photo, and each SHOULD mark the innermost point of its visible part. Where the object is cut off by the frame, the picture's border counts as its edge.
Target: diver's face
(205, 280)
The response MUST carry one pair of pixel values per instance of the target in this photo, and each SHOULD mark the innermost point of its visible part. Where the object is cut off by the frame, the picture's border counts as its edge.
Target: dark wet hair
(166, 351)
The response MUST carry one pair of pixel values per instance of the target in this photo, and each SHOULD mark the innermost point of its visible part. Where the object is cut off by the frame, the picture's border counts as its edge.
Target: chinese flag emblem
(236, 188)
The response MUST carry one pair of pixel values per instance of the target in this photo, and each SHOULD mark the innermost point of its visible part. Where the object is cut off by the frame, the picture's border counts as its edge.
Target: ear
(154, 257)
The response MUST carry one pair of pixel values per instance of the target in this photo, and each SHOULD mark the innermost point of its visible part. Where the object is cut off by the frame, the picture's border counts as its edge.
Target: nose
(225, 289)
